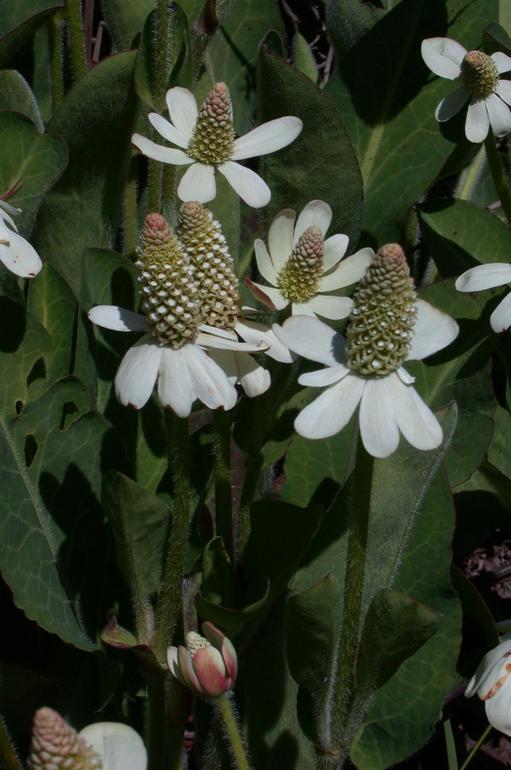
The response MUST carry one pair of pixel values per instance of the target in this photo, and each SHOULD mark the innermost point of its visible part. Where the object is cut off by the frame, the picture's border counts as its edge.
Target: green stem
(226, 712)
(155, 174)
(56, 74)
(476, 747)
(170, 600)
(162, 52)
(74, 18)
(223, 492)
(450, 746)
(499, 175)
(352, 600)
(8, 757)
(470, 177)
(129, 205)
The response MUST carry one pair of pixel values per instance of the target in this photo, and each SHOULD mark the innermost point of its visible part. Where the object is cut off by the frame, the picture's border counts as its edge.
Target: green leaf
(402, 715)
(460, 234)
(321, 162)
(231, 53)
(16, 95)
(140, 521)
(19, 21)
(384, 94)
(348, 21)
(395, 627)
(303, 58)
(499, 454)
(37, 160)
(83, 209)
(125, 19)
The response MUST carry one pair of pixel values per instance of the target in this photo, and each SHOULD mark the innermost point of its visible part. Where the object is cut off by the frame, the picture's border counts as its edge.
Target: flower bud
(492, 682)
(208, 666)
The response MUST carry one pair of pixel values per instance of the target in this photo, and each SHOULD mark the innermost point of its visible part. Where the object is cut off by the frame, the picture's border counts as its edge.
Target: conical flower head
(206, 247)
(170, 300)
(380, 326)
(479, 74)
(298, 280)
(55, 745)
(213, 136)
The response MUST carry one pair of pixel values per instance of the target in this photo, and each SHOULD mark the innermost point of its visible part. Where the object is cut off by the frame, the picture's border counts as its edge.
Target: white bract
(301, 267)
(389, 405)
(208, 144)
(16, 253)
(478, 76)
(118, 746)
(492, 683)
(490, 277)
(183, 374)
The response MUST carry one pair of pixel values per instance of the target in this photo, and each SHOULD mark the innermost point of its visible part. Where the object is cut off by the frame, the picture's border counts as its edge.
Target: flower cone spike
(479, 74)
(195, 642)
(380, 326)
(217, 284)
(213, 136)
(298, 279)
(55, 745)
(170, 299)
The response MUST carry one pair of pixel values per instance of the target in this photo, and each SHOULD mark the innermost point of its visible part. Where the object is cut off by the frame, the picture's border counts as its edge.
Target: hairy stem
(476, 747)
(74, 18)
(225, 710)
(129, 205)
(170, 601)
(223, 497)
(56, 74)
(8, 757)
(499, 175)
(155, 721)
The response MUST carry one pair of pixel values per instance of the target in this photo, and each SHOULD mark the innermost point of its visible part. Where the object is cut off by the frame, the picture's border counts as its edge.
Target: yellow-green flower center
(213, 137)
(380, 327)
(479, 74)
(169, 293)
(298, 280)
(213, 266)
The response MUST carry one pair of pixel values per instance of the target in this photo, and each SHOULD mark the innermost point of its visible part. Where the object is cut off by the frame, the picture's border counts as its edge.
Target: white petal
(500, 319)
(443, 56)
(503, 90)
(226, 360)
(197, 184)
(303, 308)
(321, 378)
(312, 339)
(433, 331)
(167, 130)
(173, 662)
(218, 342)
(451, 104)
(378, 425)
(477, 122)
(269, 295)
(348, 271)
(183, 110)
(403, 375)
(315, 214)
(499, 114)
(280, 237)
(257, 333)
(502, 61)
(489, 670)
(7, 212)
(249, 185)
(253, 378)
(135, 378)
(209, 382)
(118, 745)
(484, 277)
(332, 410)
(227, 334)
(157, 152)
(264, 263)
(20, 257)
(174, 382)
(415, 420)
(329, 306)
(498, 708)
(267, 138)
(117, 318)
(334, 249)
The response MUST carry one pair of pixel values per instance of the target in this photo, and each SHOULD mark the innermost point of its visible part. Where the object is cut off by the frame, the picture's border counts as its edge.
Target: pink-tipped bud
(208, 665)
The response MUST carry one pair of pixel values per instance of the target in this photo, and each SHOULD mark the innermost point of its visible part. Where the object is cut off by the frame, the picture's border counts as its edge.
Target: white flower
(301, 266)
(388, 405)
(17, 254)
(492, 683)
(183, 374)
(478, 76)
(208, 143)
(118, 746)
(489, 277)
